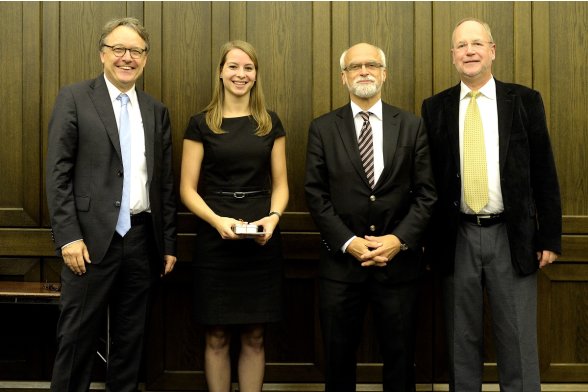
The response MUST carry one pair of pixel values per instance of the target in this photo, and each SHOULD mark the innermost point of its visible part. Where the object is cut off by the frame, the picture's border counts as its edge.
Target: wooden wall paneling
(523, 47)
(285, 58)
(322, 69)
(31, 136)
(152, 73)
(563, 323)
(559, 56)
(185, 53)
(371, 23)
(221, 33)
(79, 56)
(51, 269)
(19, 115)
(20, 269)
(25, 242)
(541, 55)
(568, 79)
(443, 25)
(136, 10)
(11, 95)
(50, 83)
(340, 23)
(423, 54)
(238, 27)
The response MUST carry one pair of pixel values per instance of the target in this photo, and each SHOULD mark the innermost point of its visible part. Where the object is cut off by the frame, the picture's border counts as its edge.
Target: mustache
(364, 78)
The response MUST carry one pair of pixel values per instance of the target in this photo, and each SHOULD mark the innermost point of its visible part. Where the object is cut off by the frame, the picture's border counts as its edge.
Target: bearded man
(369, 188)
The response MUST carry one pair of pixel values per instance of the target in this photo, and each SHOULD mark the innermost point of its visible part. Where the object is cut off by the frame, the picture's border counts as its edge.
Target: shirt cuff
(69, 243)
(346, 244)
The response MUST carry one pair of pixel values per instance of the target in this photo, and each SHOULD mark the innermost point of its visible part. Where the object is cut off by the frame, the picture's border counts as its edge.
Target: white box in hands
(248, 229)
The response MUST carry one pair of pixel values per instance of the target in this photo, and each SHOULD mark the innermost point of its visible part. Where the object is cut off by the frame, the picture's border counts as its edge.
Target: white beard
(364, 90)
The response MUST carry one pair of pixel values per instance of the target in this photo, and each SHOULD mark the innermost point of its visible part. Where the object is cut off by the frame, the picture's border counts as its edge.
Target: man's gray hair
(485, 25)
(342, 58)
(132, 23)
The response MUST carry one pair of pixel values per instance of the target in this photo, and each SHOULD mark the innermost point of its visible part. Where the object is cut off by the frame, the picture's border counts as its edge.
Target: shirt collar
(376, 110)
(114, 92)
(488, 90)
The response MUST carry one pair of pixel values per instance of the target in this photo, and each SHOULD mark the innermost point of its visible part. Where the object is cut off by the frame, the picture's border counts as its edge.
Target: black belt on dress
(141, 218)
(241, 195)
(483, 220)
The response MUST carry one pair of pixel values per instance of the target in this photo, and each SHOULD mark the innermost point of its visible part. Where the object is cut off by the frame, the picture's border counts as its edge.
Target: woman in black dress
(234, 172)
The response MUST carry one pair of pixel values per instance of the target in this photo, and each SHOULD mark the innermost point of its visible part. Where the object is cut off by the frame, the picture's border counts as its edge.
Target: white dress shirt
(139, 196)
(489, 113)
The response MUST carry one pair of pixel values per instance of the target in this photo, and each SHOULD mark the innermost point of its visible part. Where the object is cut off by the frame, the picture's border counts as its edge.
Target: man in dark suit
(496, 222)
(371, 198)
(112, 206)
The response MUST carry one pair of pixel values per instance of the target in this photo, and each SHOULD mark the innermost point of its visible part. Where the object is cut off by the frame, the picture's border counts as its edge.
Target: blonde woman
(234, 176)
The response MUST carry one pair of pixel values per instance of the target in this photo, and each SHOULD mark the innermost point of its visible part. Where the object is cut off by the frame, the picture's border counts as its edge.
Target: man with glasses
(112, 206)
(498, 218)
(370, 191)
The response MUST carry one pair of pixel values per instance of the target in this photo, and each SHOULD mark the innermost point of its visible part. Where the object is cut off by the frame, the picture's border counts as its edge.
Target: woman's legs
(251, 359)
(217, 362)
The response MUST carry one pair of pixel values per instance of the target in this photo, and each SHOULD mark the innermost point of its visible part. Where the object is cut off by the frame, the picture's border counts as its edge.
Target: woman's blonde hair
(214, 110)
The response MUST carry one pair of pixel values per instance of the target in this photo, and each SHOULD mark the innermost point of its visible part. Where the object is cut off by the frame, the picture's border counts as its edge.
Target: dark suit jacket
(528, 177)
(85, 171)
(342, 203)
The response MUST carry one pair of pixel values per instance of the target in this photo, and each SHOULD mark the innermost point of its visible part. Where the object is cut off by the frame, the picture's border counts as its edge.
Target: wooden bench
(29, 292)
(43, 293)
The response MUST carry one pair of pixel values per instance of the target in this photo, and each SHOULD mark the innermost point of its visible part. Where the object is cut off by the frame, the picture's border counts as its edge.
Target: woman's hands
(268, 225)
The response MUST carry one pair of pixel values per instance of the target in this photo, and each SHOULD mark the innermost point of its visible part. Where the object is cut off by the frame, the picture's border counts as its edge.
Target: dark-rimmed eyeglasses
(371, 66)
(119, 51)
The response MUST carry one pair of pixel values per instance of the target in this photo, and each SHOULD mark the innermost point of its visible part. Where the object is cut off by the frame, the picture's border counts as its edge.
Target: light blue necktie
(124, 216)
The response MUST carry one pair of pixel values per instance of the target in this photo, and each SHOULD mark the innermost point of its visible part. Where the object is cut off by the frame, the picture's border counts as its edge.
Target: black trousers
(342, 312)
(122, 282)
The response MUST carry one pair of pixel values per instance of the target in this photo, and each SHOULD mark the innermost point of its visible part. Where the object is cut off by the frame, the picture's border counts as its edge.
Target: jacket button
(372, 228)
(372, 198)
(119, 173)
(455, 203)
(457, 175)
(117, 203)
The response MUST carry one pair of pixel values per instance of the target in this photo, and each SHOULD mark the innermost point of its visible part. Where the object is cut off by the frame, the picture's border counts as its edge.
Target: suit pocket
(82, 203)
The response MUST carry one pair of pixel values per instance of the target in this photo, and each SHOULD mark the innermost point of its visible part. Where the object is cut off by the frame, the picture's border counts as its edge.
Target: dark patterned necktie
(366, 147)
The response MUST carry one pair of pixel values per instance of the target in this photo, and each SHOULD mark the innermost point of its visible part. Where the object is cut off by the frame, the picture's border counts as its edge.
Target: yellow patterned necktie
(475, 174)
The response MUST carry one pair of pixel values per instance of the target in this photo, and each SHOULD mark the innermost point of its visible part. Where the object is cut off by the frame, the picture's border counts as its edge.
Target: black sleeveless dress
(236, 281)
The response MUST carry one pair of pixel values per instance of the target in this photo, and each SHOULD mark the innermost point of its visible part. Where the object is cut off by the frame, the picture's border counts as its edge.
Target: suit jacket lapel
(346, 127)
(101, 99)
(147, 114)
(452, 109)
(505, 106)
(390, 133)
